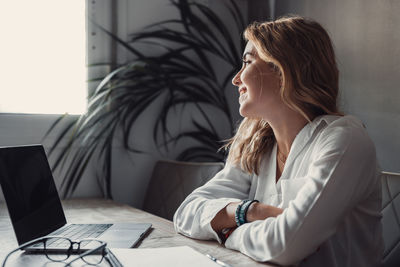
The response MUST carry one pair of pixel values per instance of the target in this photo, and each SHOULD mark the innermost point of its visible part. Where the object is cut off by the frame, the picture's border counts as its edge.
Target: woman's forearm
(259, 211)
(225, 218)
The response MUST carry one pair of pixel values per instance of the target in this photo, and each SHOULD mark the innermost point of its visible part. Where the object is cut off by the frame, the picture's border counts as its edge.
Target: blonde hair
(303, 53)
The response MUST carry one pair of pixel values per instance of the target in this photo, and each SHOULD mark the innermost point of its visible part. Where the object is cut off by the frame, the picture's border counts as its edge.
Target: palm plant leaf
(183, 76)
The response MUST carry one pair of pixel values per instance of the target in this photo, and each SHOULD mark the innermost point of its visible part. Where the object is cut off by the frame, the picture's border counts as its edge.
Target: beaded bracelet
(245, 207)
(241, 211)
(238, 215)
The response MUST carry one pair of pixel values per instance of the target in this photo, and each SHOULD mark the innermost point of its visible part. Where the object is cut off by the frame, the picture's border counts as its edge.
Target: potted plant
(183, 76)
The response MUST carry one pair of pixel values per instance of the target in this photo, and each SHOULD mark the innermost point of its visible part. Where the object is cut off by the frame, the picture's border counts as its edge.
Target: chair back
(173, 181)
(391, 218)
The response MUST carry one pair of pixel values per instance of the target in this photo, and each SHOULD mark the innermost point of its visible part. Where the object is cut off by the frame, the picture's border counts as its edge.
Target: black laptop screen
(30, 193)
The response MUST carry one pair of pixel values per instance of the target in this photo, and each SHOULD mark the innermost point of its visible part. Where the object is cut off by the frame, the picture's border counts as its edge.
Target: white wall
(366, 35)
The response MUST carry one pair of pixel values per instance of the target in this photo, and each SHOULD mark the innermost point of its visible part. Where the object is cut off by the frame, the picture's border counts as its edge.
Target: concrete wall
(366, 35)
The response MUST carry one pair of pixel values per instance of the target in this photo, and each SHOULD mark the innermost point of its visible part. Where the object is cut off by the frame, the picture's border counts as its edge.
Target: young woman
(301, 182)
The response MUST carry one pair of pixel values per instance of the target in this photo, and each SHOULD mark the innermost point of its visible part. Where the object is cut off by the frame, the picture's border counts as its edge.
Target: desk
(104, 211)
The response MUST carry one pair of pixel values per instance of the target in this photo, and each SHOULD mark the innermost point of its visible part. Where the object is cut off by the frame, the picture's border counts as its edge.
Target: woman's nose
(236, 79)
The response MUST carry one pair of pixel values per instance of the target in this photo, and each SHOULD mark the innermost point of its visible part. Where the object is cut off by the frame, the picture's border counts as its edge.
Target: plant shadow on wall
(184, 76)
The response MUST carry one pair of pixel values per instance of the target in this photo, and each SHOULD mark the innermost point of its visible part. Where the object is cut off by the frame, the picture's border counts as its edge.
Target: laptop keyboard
(78, 232)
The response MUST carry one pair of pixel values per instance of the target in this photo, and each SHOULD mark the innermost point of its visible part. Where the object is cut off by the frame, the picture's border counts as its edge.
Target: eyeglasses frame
(70, 249)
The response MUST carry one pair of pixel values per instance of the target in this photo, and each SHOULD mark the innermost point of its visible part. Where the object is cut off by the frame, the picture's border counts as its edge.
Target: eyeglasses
(91, 251)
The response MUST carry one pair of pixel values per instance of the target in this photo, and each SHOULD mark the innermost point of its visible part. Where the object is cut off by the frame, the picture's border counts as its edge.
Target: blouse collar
(306, 133)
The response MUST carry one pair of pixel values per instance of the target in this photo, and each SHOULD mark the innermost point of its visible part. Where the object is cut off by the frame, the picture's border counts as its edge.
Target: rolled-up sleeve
(343, 165)
(193, 217)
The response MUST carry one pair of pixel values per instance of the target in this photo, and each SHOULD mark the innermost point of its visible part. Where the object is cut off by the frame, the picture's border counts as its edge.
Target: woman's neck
(286, 128)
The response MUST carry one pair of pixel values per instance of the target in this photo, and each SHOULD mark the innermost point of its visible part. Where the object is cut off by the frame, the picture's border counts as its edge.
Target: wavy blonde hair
(303, 54)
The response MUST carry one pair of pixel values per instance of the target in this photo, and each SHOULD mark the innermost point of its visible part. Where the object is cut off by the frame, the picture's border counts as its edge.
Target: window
(42, 55)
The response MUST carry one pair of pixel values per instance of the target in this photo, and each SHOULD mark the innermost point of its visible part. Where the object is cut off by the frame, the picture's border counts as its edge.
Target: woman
(301, 184)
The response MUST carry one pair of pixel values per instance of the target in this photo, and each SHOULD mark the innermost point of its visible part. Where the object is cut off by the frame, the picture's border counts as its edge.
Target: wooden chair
(172, 181)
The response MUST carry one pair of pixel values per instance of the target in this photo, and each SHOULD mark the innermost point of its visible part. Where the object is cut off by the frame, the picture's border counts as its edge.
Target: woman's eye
(245, 62)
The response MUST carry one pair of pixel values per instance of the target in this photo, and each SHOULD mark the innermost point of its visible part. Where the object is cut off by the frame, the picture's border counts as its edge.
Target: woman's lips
(243, 95)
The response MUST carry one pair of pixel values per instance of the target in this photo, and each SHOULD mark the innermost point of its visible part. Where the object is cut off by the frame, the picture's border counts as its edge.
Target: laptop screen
(30, 193)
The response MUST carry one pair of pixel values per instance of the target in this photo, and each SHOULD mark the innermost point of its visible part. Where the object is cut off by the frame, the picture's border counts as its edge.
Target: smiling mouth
(242, 95)
(242, 90)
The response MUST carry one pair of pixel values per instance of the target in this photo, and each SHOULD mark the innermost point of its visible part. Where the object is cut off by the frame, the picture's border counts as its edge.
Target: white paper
(183, 256)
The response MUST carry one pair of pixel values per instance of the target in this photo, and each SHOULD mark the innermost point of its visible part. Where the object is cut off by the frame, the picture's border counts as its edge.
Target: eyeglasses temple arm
(27, 244)
(8, 255)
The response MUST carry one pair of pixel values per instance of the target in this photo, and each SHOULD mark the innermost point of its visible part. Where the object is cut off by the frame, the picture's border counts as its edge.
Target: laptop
(35, 208)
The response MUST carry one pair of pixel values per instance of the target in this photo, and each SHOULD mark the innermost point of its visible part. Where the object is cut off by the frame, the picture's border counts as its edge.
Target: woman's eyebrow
(247, 53)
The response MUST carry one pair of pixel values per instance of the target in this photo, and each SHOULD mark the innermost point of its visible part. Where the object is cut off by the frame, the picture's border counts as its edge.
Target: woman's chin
(244, 112)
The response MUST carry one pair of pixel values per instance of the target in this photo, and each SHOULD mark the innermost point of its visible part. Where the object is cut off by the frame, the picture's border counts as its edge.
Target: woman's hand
(225, 218)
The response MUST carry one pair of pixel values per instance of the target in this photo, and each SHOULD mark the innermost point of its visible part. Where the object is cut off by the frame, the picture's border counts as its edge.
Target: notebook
(182, 256)
(35, 208)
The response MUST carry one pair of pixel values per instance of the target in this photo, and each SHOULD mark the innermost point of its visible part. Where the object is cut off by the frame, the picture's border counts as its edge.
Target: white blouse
(330, 192)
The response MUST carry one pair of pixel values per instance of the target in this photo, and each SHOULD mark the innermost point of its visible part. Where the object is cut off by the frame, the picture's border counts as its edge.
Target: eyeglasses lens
(96, 256)
(51, 243)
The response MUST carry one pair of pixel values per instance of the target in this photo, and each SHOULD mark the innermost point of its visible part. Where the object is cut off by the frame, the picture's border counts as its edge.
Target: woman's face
(259, 84)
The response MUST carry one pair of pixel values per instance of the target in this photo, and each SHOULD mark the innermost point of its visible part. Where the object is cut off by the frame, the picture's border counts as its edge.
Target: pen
(217, 261)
